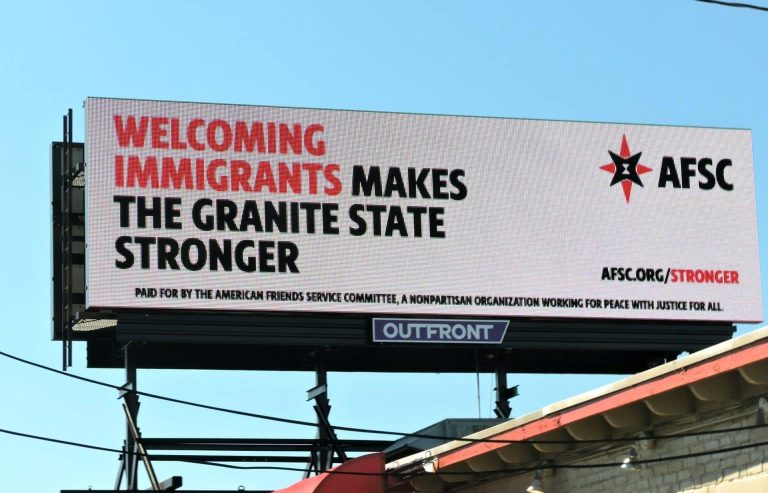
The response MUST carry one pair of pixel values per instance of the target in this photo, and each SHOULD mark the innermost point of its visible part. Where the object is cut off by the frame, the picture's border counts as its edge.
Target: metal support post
(333, 442)
(321, 457)
(129, 459)
(323, 408)
(503, 393)
(67, 178)
(141, 451)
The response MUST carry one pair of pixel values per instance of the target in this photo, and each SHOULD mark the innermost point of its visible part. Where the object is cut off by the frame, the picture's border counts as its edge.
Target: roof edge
(720, 358)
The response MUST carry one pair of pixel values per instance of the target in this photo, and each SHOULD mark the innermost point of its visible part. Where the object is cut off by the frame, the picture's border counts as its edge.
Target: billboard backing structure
(244, 208)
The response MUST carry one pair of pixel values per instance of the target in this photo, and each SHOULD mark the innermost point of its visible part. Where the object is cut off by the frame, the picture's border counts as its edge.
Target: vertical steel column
(67, 177)
(323, 409)
(503, 393)
(136, 434)
(132, 404)
(502, 409)
(321, 458)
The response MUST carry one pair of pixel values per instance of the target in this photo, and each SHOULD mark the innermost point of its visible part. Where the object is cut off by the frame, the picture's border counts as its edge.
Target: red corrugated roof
(359, 475)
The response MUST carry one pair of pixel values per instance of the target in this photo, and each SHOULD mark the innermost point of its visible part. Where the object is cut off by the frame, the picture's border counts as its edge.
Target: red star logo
(626, 168)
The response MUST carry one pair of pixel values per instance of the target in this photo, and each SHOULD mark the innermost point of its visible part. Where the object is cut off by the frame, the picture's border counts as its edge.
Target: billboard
(247, 208)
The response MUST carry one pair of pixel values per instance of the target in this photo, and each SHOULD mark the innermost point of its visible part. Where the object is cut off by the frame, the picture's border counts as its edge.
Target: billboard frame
(340, 341)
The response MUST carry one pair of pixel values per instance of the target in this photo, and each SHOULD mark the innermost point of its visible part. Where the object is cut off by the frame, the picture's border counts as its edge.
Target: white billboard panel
(247, 208)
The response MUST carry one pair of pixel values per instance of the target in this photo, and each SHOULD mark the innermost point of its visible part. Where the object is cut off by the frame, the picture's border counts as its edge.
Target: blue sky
(661, 61)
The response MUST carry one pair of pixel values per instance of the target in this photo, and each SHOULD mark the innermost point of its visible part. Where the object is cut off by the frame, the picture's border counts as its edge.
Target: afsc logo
(682, 173)
(626, 168)
(710, 175)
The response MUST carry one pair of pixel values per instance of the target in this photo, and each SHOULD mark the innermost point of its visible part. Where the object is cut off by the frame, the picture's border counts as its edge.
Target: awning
(359, 475)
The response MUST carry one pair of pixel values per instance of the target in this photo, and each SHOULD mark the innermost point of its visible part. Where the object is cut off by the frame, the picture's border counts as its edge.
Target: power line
(160, 397)
(297, 422)
(735, 4)
(62, 442)
(298, 469)
(138, 454)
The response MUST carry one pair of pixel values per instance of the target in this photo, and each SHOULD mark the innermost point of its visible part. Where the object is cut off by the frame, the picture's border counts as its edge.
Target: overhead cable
(735, 4)
(298, 422)
(298, 469)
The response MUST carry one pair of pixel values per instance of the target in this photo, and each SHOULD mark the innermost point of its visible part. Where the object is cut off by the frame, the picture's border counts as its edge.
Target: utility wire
(735, 4)
(298, 469)
(62, 442)
(362, 430)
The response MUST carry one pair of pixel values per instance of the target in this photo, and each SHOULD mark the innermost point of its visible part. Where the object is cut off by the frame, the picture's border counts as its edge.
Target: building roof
(732, 370)
(449, 427)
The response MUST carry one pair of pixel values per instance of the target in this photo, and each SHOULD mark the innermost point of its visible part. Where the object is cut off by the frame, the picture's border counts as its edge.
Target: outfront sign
(442, 331)
(247, 208)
